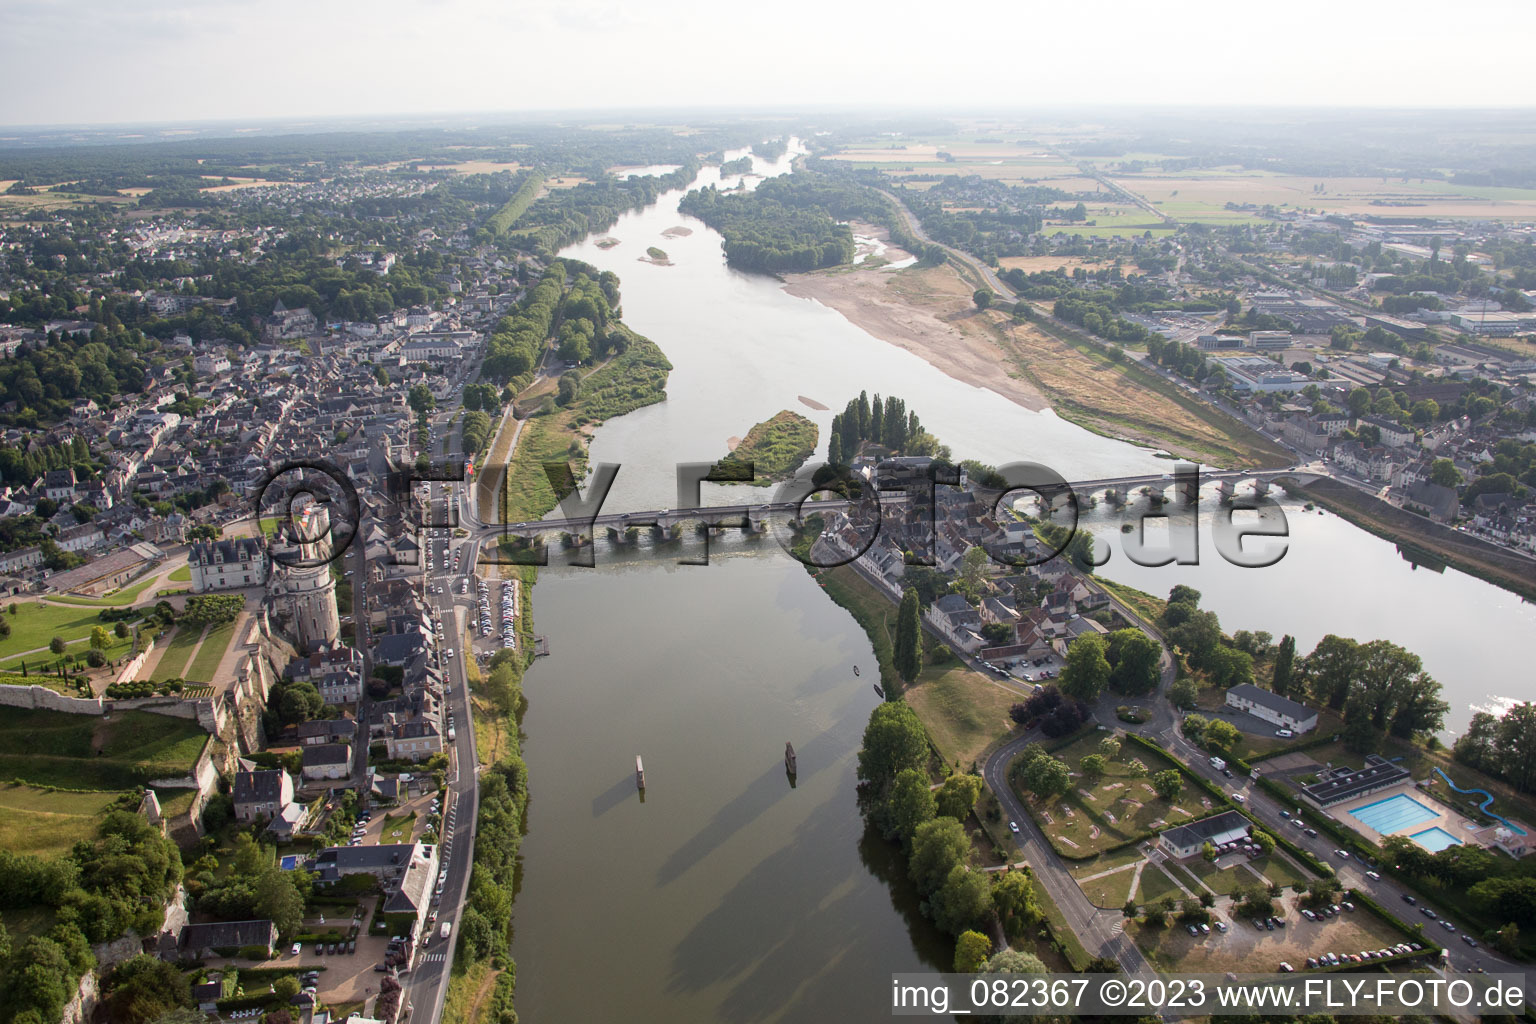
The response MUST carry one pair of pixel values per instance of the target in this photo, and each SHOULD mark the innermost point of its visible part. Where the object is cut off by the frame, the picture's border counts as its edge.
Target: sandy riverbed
(927, 312)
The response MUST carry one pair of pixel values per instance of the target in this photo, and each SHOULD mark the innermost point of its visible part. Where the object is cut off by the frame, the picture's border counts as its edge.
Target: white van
(1218, 764)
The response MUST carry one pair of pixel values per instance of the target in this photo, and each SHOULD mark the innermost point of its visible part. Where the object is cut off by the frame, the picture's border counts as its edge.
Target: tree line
(1379, 688)
(894, 795)
(778, 227)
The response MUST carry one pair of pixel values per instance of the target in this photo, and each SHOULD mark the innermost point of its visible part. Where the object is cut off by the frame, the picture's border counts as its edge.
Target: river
(727, 895)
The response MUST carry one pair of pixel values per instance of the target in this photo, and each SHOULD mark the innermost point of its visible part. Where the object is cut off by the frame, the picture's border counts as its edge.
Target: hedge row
(1316, 741)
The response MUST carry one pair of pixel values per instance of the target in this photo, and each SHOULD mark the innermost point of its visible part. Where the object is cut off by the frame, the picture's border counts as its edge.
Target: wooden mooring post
(639, 774)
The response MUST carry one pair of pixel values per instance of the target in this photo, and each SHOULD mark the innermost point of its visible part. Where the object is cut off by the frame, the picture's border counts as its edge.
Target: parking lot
(1244, 948)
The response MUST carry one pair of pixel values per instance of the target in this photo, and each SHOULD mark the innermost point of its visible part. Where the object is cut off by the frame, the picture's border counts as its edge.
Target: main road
(427, 984)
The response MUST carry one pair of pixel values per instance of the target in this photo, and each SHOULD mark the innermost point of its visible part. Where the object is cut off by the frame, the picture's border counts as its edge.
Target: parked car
(1221, 925)
(297, 949)
(1192, 929)
(1013, 827)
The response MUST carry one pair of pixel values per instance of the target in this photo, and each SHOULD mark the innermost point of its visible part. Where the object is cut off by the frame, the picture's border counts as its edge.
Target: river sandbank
(928, 312)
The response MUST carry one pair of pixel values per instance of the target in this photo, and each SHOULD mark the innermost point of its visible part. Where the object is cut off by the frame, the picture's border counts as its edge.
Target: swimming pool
(1394, 814)
(1435, 839)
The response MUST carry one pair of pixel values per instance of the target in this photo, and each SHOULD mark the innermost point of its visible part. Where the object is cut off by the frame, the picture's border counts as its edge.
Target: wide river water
(727, 895)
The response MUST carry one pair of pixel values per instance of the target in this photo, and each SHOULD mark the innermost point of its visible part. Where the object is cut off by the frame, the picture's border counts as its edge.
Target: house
(225, 938)
(59, 485)
(226, 564)
(413, 741)
(388, 863)
(1272, 707)
(413, 894)
(337, 672)
(261, 794)
(1437, 502)
(326, 730)
(327, 761)
(1336, 785)
(1184, 841)
(958, 622)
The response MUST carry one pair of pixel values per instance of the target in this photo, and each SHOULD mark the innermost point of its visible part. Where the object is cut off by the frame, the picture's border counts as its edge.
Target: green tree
(1285, 665)
(982, 297)
(909, 805)
(278, 898)
(1444, 473)
(420, 399)
(57, 645)
(144, 988)
(1086, 672)
(1264, 841)
(100, 640)
(1184, 693)
(1013, 897)
(958, 795)
(964, 901)
(1169, 784)
(1195, 726)
(909, 637)
(1047, 776)
(971, 951)
(1109, 748)
(1230, 667)
(973, 571)
(894, 740)
(121, 631)
(1208, 851)
(1012, 961)
(1221, 733)
(1092, 767)
(937, 847)
(1135, 657)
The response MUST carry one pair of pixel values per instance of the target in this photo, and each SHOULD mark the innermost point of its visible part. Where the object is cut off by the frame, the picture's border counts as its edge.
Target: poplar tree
(909, 637)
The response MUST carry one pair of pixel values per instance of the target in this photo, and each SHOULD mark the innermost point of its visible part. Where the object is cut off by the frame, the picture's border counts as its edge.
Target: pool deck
(1448, 818)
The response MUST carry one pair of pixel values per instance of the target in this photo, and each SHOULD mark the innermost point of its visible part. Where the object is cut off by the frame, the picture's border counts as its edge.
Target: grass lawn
(1280, 870)
(206, 662)
(86, 752)
(46, 823)
(1155, 884)
(872, 610)
(118, 648)
(116, 599)
(175, 655)
(268, 526)
(175, 803)
(1221, 880)
(1148, 606)
(1105, 862)
(181, 575)
(35, 624)
(963, 711)
(1111, 891)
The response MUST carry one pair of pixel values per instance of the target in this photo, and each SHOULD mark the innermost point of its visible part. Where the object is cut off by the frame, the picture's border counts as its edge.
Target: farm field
(1198, 195)
(85, 752)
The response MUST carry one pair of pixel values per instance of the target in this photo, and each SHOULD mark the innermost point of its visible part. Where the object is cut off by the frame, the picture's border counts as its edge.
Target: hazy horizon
(92, 63)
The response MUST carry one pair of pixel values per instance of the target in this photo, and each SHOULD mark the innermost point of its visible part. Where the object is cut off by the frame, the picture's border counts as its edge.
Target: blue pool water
(1394, 814)
(289, 862)
(1435, 839)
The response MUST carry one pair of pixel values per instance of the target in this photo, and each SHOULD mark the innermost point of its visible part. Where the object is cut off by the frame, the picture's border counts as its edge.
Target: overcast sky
(106, 61)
